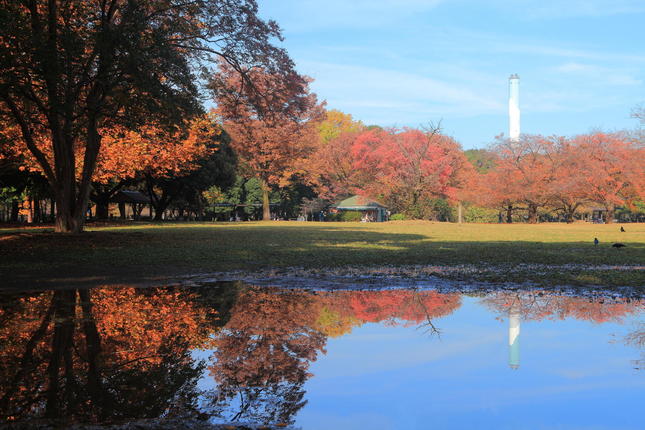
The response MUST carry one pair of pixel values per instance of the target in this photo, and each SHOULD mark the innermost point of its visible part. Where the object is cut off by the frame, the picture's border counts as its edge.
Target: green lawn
(150, 252)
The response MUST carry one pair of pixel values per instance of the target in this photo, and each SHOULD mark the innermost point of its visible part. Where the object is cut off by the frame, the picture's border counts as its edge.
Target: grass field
(149, 252)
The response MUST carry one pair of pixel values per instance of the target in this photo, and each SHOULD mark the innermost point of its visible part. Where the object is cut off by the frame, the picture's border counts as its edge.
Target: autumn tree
(271, 137)
(613, 169)
(569, 189)
(330, 169)
(336, 123)
(528, 165)
(71, 69)
(408, 168)
(152, 152)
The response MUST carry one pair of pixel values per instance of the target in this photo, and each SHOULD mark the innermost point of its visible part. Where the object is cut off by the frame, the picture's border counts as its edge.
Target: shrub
(350, 216)
(479, 214)
(397, 217)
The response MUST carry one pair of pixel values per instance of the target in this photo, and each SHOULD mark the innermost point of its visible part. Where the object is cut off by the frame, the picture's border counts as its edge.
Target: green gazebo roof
(359, 203)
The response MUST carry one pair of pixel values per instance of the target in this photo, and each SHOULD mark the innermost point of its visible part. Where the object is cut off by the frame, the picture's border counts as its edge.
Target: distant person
(622, 229)
(596, 241)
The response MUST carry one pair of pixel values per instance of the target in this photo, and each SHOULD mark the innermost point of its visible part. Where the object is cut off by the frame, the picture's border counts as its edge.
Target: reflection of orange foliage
(78, 342)
(268, 339)
(264, 352)
(405, 305)
(545, 305)
(137, 325)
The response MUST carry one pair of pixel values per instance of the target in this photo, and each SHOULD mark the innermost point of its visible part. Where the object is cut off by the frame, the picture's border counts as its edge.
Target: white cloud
(600, 75)
(399, 93)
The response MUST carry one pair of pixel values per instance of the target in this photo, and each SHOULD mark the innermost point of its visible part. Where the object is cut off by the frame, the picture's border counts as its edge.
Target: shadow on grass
(152, 254)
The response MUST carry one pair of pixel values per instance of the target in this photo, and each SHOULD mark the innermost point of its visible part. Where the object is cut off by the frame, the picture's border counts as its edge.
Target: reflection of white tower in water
(514, 335)
(514, 108)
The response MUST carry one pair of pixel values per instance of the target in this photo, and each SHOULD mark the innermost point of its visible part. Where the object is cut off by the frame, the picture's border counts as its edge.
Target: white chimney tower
(514, 108)
(514, 335)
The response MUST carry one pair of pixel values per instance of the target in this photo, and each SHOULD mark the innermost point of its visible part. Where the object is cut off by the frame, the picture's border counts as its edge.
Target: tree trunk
(509, 214)
(66, 222)
(93, 345)
(15, 210)
(102, 206)
(62, 342)
(160, 208)
(569, 212)
(533, 213)
(460, 218)
(30, 211)
(611, 209)
(122, 213)
(37, 211)
(266, 204)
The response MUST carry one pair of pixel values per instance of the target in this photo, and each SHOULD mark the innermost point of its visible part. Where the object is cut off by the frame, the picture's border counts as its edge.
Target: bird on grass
(596, 241)
(622, 229)
(618, 245)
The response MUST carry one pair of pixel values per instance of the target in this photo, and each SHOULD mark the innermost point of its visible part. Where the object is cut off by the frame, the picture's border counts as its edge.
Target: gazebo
(136, 199)
(371, 209)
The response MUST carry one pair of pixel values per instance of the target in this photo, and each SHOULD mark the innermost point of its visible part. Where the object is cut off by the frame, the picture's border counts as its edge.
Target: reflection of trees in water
(539, 305)
(637, 339)
(99, 355)
(264, 352)
(548, 305)
(118, 354)
(263, 356)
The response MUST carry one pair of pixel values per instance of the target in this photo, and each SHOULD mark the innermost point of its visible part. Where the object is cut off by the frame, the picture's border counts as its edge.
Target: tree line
(98, 97)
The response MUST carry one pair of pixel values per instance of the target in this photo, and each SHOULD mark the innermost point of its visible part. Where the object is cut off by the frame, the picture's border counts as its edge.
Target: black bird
(622, 229)
(618, 245)
(596, 241)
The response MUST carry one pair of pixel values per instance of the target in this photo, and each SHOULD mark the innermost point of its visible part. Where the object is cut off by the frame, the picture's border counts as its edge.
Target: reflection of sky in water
(571, 376)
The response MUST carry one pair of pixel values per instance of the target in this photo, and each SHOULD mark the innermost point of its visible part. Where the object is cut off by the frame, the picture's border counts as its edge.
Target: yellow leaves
(337, 123)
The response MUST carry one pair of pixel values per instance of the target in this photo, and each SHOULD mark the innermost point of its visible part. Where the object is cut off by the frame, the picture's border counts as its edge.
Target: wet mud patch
(461, 278)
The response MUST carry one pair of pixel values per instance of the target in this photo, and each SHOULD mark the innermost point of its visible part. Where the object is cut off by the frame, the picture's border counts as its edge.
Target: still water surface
(390, 359)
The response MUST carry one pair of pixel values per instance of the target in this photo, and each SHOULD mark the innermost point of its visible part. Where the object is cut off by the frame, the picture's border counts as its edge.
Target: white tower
(514, 108)
(514, 335)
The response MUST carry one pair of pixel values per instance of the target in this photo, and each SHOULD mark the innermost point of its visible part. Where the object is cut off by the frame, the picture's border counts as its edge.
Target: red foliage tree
(409, 167)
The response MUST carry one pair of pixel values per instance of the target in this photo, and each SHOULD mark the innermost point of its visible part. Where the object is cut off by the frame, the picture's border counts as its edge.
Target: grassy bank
(140, 252)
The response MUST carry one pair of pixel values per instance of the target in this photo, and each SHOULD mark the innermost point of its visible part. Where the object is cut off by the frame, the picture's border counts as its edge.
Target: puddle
(228, 352)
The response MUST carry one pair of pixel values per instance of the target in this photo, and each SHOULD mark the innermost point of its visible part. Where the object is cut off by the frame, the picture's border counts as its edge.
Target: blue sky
(409, 62)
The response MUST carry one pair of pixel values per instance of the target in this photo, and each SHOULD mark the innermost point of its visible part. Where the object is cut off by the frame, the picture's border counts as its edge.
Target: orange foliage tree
(272, 134)
(523, 175)
(613, 169)
(69, 69)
